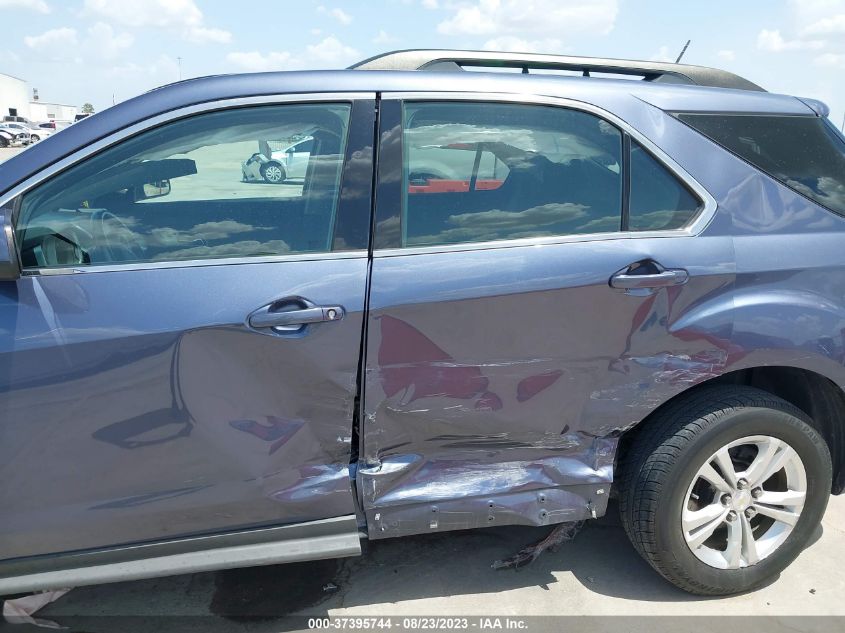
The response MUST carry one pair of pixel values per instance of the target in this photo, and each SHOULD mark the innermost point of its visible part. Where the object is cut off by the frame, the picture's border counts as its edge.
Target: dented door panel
(127, 421)
(498, 381)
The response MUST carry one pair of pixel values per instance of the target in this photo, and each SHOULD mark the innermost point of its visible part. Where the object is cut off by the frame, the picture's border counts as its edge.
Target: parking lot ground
(7, 152)
(450, 574)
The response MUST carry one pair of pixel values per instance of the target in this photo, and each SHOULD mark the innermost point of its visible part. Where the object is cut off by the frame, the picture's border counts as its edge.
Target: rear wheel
(273, 173)
(34, 138)
(721, 491)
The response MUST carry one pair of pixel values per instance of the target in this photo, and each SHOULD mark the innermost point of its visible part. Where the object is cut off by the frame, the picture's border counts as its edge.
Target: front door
(531, 266)
(180, 356)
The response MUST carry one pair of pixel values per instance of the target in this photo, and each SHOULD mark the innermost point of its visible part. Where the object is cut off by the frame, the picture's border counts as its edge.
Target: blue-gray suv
(492, 299)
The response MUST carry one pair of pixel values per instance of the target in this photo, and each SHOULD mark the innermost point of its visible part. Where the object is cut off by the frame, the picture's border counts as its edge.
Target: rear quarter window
(805, 153)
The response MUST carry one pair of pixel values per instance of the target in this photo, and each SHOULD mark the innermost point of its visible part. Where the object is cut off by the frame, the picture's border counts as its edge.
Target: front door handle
(294, 318)
(663, 279)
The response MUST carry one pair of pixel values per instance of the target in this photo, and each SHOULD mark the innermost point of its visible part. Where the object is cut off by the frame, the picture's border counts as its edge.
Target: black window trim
(388, 197)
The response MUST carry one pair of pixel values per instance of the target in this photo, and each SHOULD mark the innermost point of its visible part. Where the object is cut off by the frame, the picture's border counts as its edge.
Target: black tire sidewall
(273, 182)
(733, 425)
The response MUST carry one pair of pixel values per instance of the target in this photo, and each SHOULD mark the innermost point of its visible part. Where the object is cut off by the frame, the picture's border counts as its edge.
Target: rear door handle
(264, 318)
(663, 279)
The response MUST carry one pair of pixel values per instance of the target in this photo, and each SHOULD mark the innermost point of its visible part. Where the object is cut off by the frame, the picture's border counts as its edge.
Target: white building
(41, 111)
(14, 96)
(16, 100)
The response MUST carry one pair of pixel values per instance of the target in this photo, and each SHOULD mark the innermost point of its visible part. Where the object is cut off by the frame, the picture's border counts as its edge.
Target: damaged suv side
(496, 302)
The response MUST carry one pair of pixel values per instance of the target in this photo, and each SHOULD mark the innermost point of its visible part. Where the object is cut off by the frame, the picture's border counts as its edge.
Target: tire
(273, 173)
(34, 138)
(661, 487)
(4, 142)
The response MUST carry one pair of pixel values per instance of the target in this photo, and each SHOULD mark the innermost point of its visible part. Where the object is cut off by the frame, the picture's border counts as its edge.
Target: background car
(19, 134)
(55, 125)
(276, 166)
(36, 132)
(7, 138)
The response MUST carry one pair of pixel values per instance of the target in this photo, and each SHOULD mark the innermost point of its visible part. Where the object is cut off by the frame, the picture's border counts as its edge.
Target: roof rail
(455, 60)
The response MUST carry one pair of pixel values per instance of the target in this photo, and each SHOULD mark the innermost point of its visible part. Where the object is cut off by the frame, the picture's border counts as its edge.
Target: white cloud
(253, 61)
(662, 55)
(141, 13)
(774, 42)
(430, 4)
(181, 15)
(163, 70)
(100, 43)
(331, 51)
(338, 14)
(831, 60)
(826, 26)
(33, 5)
(512, 44)
(383, 38)
(726, 55)
(202, 34)
(103, 43)
(538, 18)
(53, 44)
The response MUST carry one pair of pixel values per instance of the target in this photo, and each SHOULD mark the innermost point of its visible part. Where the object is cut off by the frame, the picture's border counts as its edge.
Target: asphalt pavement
(450, 574)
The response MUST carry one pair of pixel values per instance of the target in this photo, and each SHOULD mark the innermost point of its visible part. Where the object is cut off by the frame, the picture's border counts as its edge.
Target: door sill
(328, 538)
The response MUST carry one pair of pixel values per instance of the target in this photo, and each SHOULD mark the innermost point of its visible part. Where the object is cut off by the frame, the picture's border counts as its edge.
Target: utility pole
(179, 59)
(684, 50)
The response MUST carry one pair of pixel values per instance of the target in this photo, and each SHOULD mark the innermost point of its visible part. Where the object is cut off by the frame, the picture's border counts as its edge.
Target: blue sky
(74, 51)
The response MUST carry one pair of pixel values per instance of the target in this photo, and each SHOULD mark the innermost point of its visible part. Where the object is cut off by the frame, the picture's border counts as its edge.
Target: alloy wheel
(273, 173)
(744, 502)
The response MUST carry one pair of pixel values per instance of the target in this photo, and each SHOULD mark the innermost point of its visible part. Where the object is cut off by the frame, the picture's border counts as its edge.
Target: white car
(277, 166)
(10, 135)
(35, 133)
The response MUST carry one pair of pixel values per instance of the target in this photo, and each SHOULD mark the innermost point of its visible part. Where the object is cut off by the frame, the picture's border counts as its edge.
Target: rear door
(532, 266)
(180, 355)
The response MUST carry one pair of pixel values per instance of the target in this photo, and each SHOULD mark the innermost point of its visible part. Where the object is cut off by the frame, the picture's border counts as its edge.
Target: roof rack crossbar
(456, 60)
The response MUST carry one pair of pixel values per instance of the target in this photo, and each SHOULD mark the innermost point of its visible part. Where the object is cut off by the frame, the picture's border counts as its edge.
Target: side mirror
(10, 267)
(152, 190)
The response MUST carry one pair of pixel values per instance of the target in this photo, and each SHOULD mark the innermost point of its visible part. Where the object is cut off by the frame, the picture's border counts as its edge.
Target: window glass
(478, 172)
(216, 185)
(659, 201)
(803, 152)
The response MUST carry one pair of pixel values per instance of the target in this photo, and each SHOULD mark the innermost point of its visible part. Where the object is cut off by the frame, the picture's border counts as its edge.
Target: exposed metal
(741, 507)
(561, 534)
(435, 59)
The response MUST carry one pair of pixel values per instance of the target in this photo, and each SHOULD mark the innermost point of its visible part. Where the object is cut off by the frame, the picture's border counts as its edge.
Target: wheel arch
(813, 393)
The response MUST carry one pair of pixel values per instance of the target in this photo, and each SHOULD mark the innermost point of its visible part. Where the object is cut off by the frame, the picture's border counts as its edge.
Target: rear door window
(659, 201)
(504, 171)
(803, 152)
